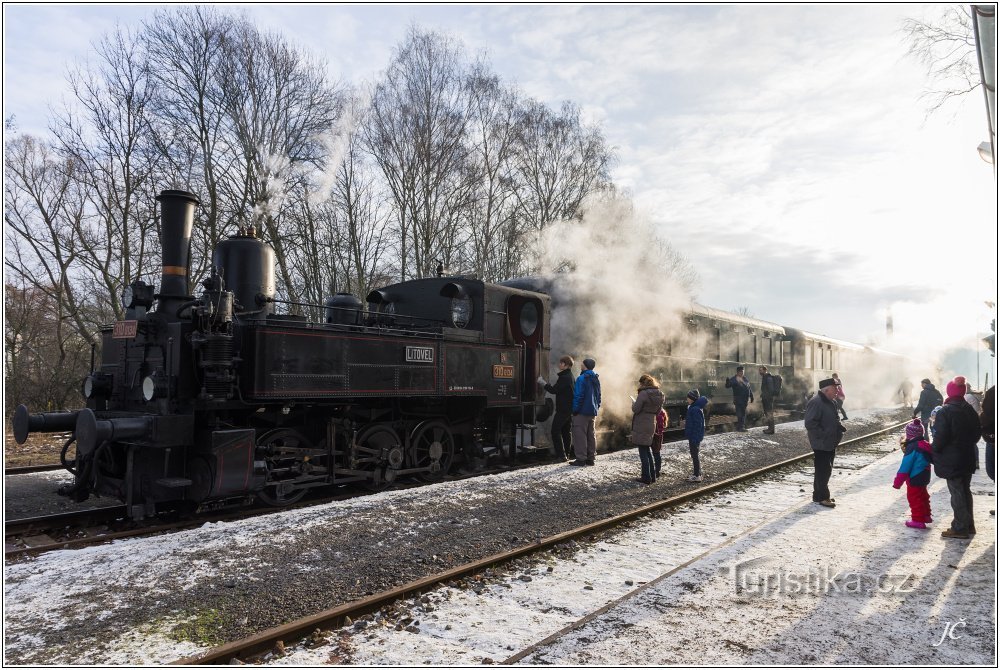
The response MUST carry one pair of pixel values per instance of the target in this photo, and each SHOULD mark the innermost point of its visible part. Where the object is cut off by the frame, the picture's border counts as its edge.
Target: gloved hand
(541, 380)
(900, 478)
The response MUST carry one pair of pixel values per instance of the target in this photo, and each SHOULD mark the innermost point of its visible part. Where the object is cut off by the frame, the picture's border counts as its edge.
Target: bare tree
(946, 46)
(278, 105)
(44, 356)
(560, 161)
(43, 210)
(106, 137)
(186, 49)
(416, 133)
(494, 226)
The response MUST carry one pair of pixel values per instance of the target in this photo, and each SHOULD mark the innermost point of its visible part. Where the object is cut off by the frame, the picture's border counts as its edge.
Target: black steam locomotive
(207, 401)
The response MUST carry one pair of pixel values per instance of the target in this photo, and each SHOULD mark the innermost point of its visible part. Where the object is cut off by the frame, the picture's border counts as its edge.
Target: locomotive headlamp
(137, 294)
(154, 386)
(97, 385)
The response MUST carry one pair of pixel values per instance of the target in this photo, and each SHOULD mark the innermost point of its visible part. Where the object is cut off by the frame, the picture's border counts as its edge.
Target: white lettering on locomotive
(420, 354)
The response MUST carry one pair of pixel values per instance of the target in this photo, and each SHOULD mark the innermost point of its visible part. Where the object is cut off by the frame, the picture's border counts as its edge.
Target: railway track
(73, 530)
(253, 647)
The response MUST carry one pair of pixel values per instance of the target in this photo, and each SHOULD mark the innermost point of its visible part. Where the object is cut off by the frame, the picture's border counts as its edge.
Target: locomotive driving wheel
(281, 451)
(432, 446)
(378, 450)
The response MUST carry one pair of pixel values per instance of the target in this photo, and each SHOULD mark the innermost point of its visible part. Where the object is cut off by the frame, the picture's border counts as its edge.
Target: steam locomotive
(209, 401)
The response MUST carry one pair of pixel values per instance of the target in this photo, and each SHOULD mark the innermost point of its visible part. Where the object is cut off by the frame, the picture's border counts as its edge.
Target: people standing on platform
(929, 398)
(986, 420)
(915, 471)
(694, 430)
(586, 404)
(647, 404)
(905, 392)
(767, 393)
(841, 396)
(956, 456)
(824, 430)
(742, 395)
(971, 397)
(930, 421)
(562, 421)
(661, 426)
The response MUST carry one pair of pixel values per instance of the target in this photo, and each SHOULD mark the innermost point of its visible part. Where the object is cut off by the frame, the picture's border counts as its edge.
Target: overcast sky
(784, 150)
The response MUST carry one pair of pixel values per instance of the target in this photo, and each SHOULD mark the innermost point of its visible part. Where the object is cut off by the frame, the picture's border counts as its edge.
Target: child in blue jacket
(915, 470)
(694, 429)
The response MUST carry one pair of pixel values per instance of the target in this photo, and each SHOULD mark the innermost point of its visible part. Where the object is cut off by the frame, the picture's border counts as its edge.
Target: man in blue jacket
(586, 402)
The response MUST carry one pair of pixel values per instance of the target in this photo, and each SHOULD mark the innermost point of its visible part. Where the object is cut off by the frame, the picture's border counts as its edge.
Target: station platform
(812, 585)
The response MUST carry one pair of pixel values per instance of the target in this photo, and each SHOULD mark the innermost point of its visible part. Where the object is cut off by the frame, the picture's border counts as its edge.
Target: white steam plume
(617, 297)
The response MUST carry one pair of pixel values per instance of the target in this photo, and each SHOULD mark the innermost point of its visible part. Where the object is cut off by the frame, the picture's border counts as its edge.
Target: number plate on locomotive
(503, 371)
(125, 330)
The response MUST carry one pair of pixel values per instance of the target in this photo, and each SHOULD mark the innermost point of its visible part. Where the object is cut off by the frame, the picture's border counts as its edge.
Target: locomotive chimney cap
(171, 193)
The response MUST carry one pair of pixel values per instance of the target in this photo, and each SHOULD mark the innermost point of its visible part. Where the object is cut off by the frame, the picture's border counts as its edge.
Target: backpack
(776, 384)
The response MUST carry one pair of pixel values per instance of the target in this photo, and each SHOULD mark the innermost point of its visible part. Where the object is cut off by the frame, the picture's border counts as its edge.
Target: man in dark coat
(956, 456)
(825, 430)
(742, 394)
(987, 420)
(930, 398)
(562, 425)
(767, 393)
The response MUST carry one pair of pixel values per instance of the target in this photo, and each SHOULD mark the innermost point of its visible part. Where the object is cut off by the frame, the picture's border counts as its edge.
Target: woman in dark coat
(647, 404)
(956, 455)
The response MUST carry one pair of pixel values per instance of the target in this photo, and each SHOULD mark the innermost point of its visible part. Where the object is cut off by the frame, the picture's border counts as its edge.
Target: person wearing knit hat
(956, 388)
(824, 429)
(915, 470)
(840, 397)
(694, 429)
(956, 456)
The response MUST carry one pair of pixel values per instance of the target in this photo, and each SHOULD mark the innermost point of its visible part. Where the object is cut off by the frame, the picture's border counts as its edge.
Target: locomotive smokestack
(176, 219)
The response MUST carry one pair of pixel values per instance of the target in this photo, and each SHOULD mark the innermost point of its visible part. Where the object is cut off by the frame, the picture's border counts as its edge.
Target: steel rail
(28, 469)
(333, 618)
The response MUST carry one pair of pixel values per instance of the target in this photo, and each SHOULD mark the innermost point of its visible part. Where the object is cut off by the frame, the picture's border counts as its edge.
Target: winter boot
(916, 524)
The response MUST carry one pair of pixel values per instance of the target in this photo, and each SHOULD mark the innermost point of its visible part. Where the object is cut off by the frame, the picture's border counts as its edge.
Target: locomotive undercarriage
(285, 455)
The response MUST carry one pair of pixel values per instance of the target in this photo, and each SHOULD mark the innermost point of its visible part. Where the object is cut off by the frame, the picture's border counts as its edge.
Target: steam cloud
(615, 296)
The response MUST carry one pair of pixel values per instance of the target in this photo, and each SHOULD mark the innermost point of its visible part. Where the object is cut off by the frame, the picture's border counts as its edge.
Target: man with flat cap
(825, 430)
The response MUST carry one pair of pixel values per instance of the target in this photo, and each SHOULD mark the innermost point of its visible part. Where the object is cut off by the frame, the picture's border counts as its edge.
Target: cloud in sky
(783, 149)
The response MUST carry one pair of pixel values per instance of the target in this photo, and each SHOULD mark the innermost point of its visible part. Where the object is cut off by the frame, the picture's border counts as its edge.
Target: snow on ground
(59, 590)
(758, 576)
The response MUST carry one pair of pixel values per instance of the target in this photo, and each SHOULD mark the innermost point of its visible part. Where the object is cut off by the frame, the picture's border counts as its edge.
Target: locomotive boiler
(213, 400)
